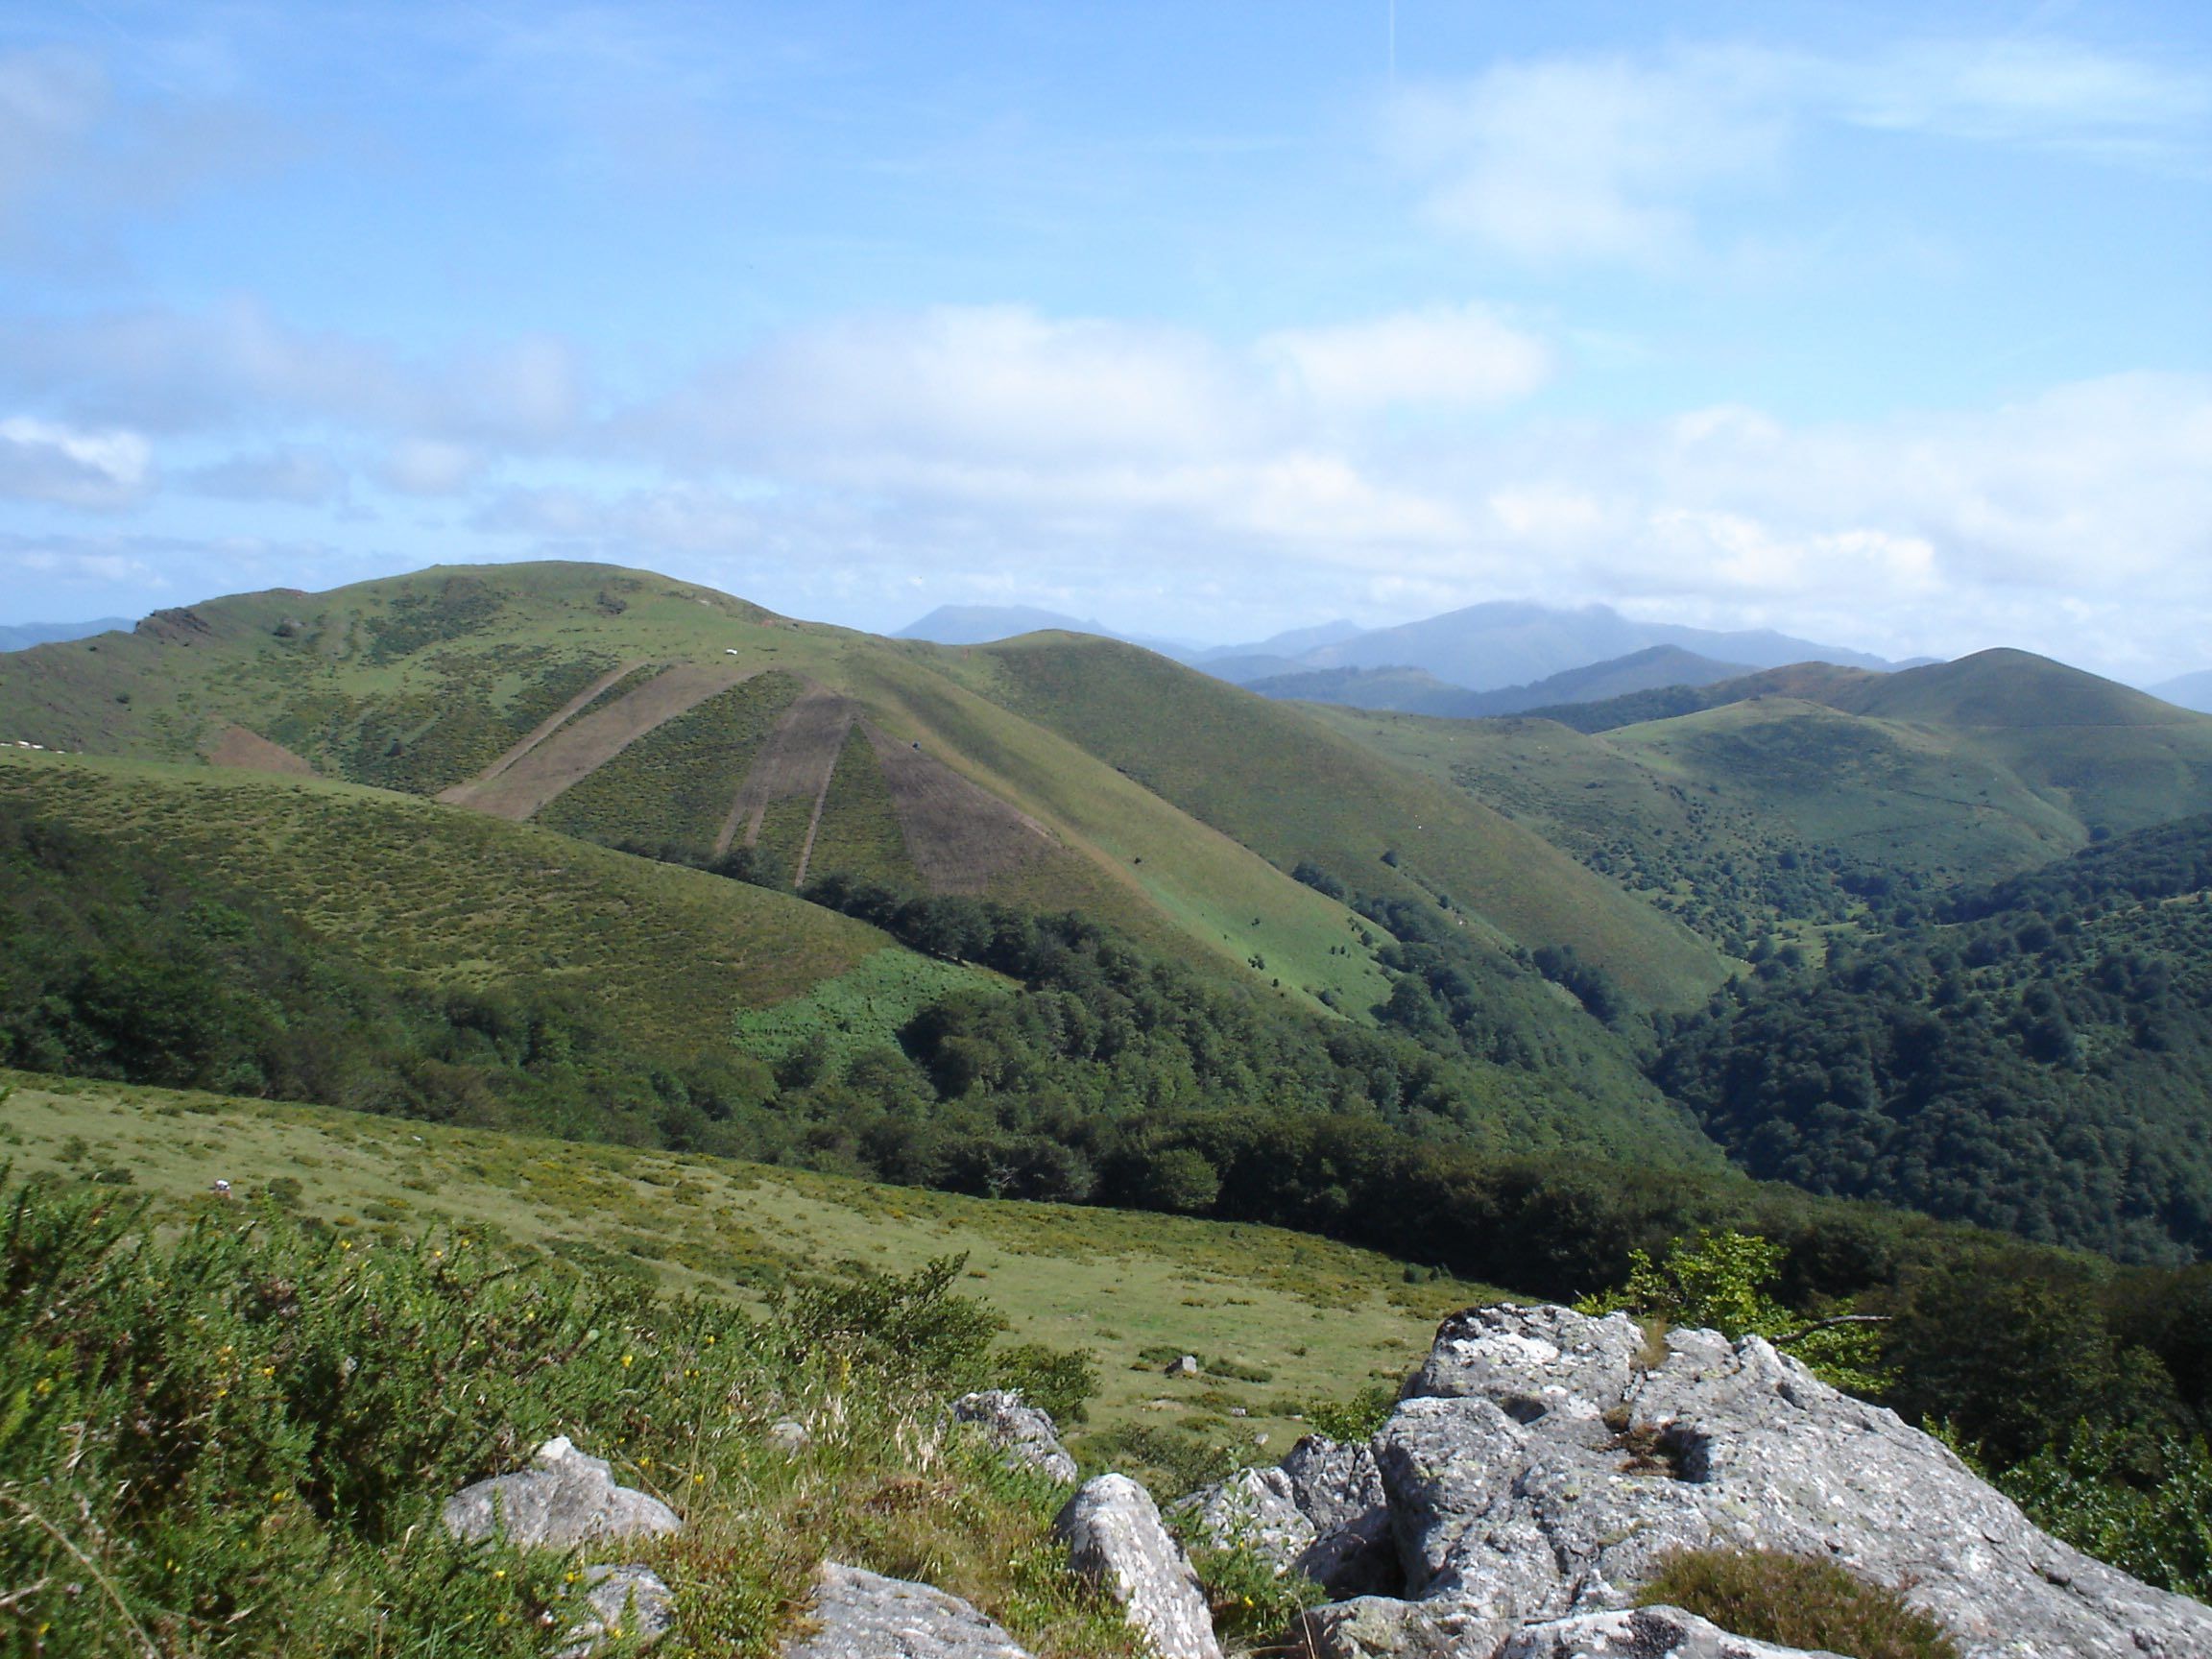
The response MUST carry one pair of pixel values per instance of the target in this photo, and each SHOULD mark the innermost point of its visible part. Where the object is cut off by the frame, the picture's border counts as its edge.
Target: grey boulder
(1543, 1471)
(1027, 1434)
(862, 1615)
(564, 1500)
(1113, 1536)
(1642, 1633)
(1322, 1513)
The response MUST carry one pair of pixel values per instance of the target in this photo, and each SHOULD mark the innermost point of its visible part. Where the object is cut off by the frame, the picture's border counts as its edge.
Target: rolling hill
(1780, 803)
(1415, 691)
(1490, 646)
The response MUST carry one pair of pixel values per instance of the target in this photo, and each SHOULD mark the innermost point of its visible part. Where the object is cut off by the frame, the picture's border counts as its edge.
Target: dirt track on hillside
(546, 729)
(573, 754)
(958, 833)
(794, 763)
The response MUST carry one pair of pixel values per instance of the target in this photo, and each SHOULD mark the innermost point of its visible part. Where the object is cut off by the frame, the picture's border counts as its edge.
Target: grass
(449, 897)
(1316, 1321)
(673, 787)
(231, 1436)
(1794, 1601)
(1747, 820)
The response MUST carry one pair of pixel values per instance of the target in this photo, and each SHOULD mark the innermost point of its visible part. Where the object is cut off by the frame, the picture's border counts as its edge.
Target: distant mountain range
(2190, 691)
(1507, 647)
(22, 635)
(1415, 691)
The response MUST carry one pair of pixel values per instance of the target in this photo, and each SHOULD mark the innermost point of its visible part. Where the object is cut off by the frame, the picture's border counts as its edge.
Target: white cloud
(2048, 93)
(45, 460)
(1612, 158)
(1444, 356)
(1590, 157)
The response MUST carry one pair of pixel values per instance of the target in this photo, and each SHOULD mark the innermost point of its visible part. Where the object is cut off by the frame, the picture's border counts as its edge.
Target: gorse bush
(1796, 1603)
(236, 1440)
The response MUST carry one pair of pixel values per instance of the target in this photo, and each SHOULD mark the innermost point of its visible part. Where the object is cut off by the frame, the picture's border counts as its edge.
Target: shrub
(1771, 1596)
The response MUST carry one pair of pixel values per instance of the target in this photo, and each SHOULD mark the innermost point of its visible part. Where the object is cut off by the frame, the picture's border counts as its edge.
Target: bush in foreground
(234, 1438)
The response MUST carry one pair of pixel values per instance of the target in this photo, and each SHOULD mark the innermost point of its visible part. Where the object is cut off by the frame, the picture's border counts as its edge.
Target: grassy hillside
(449, 898)
(1279, 781)
(1290, 1317)
(646, 712)
(1772, 816)
(2112, 757)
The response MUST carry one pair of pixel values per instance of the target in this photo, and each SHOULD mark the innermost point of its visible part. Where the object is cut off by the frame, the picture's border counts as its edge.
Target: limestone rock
(625, 1602)
(1513, 1498)
(1644, 1633)
(1028, 1434)
(565, 1500)
(863, 1615)
(1321, 1513)
(1255, 1510)
(1113, 1535)
(1384, 1628)
(1339, 1489)
(789, 1437)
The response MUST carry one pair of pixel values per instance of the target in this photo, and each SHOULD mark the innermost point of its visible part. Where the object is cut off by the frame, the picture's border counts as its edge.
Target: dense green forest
(2032, 1056)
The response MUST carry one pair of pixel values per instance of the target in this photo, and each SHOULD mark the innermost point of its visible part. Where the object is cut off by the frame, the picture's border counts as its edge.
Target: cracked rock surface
(862, 1615)
(1027, 1433)
(1537, 1472)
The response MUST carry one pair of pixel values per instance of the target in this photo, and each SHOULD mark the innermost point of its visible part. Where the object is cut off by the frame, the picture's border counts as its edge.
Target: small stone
(789, 1437)
(1186, 1367)
(565, 1500)
(862, 1615)
(1029, 1436)
(626, 1603)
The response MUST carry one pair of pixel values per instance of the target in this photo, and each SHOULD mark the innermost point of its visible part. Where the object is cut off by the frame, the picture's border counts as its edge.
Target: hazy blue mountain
(1509, 643)
(2190, 691)
(987, 624)
(22, 635)
(1416, 691)
(1289, 645)
(982, 624)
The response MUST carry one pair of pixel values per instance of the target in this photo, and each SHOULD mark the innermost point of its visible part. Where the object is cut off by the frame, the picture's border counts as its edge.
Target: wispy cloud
(45, 460)
(1615, 158)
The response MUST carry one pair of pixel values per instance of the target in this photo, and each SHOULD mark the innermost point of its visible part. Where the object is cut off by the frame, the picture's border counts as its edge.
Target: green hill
(1785, 804)
(1277, 779)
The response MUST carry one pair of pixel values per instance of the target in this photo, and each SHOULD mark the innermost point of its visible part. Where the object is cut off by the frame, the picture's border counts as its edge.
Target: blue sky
(1889, 326)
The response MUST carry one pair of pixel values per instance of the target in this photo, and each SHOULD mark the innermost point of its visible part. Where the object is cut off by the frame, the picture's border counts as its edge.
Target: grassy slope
(1287, 786)
(449, 897)
(1901, 780)
(1321, 1319)
(2109, 757)
(367, 670)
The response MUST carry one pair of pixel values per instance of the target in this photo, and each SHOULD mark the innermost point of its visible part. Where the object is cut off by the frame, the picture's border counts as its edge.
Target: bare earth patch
(574, 753)
(958, 833)
(250, 752)
(545, 728)
(794, 763)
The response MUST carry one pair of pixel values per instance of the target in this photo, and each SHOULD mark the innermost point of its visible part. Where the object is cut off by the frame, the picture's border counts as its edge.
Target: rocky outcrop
(566, 1499)
(1113, 1536)
(1322, 1513)
(860, 1615)
(1543, 1462)
(1026, 1434)
(1644, 1633)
